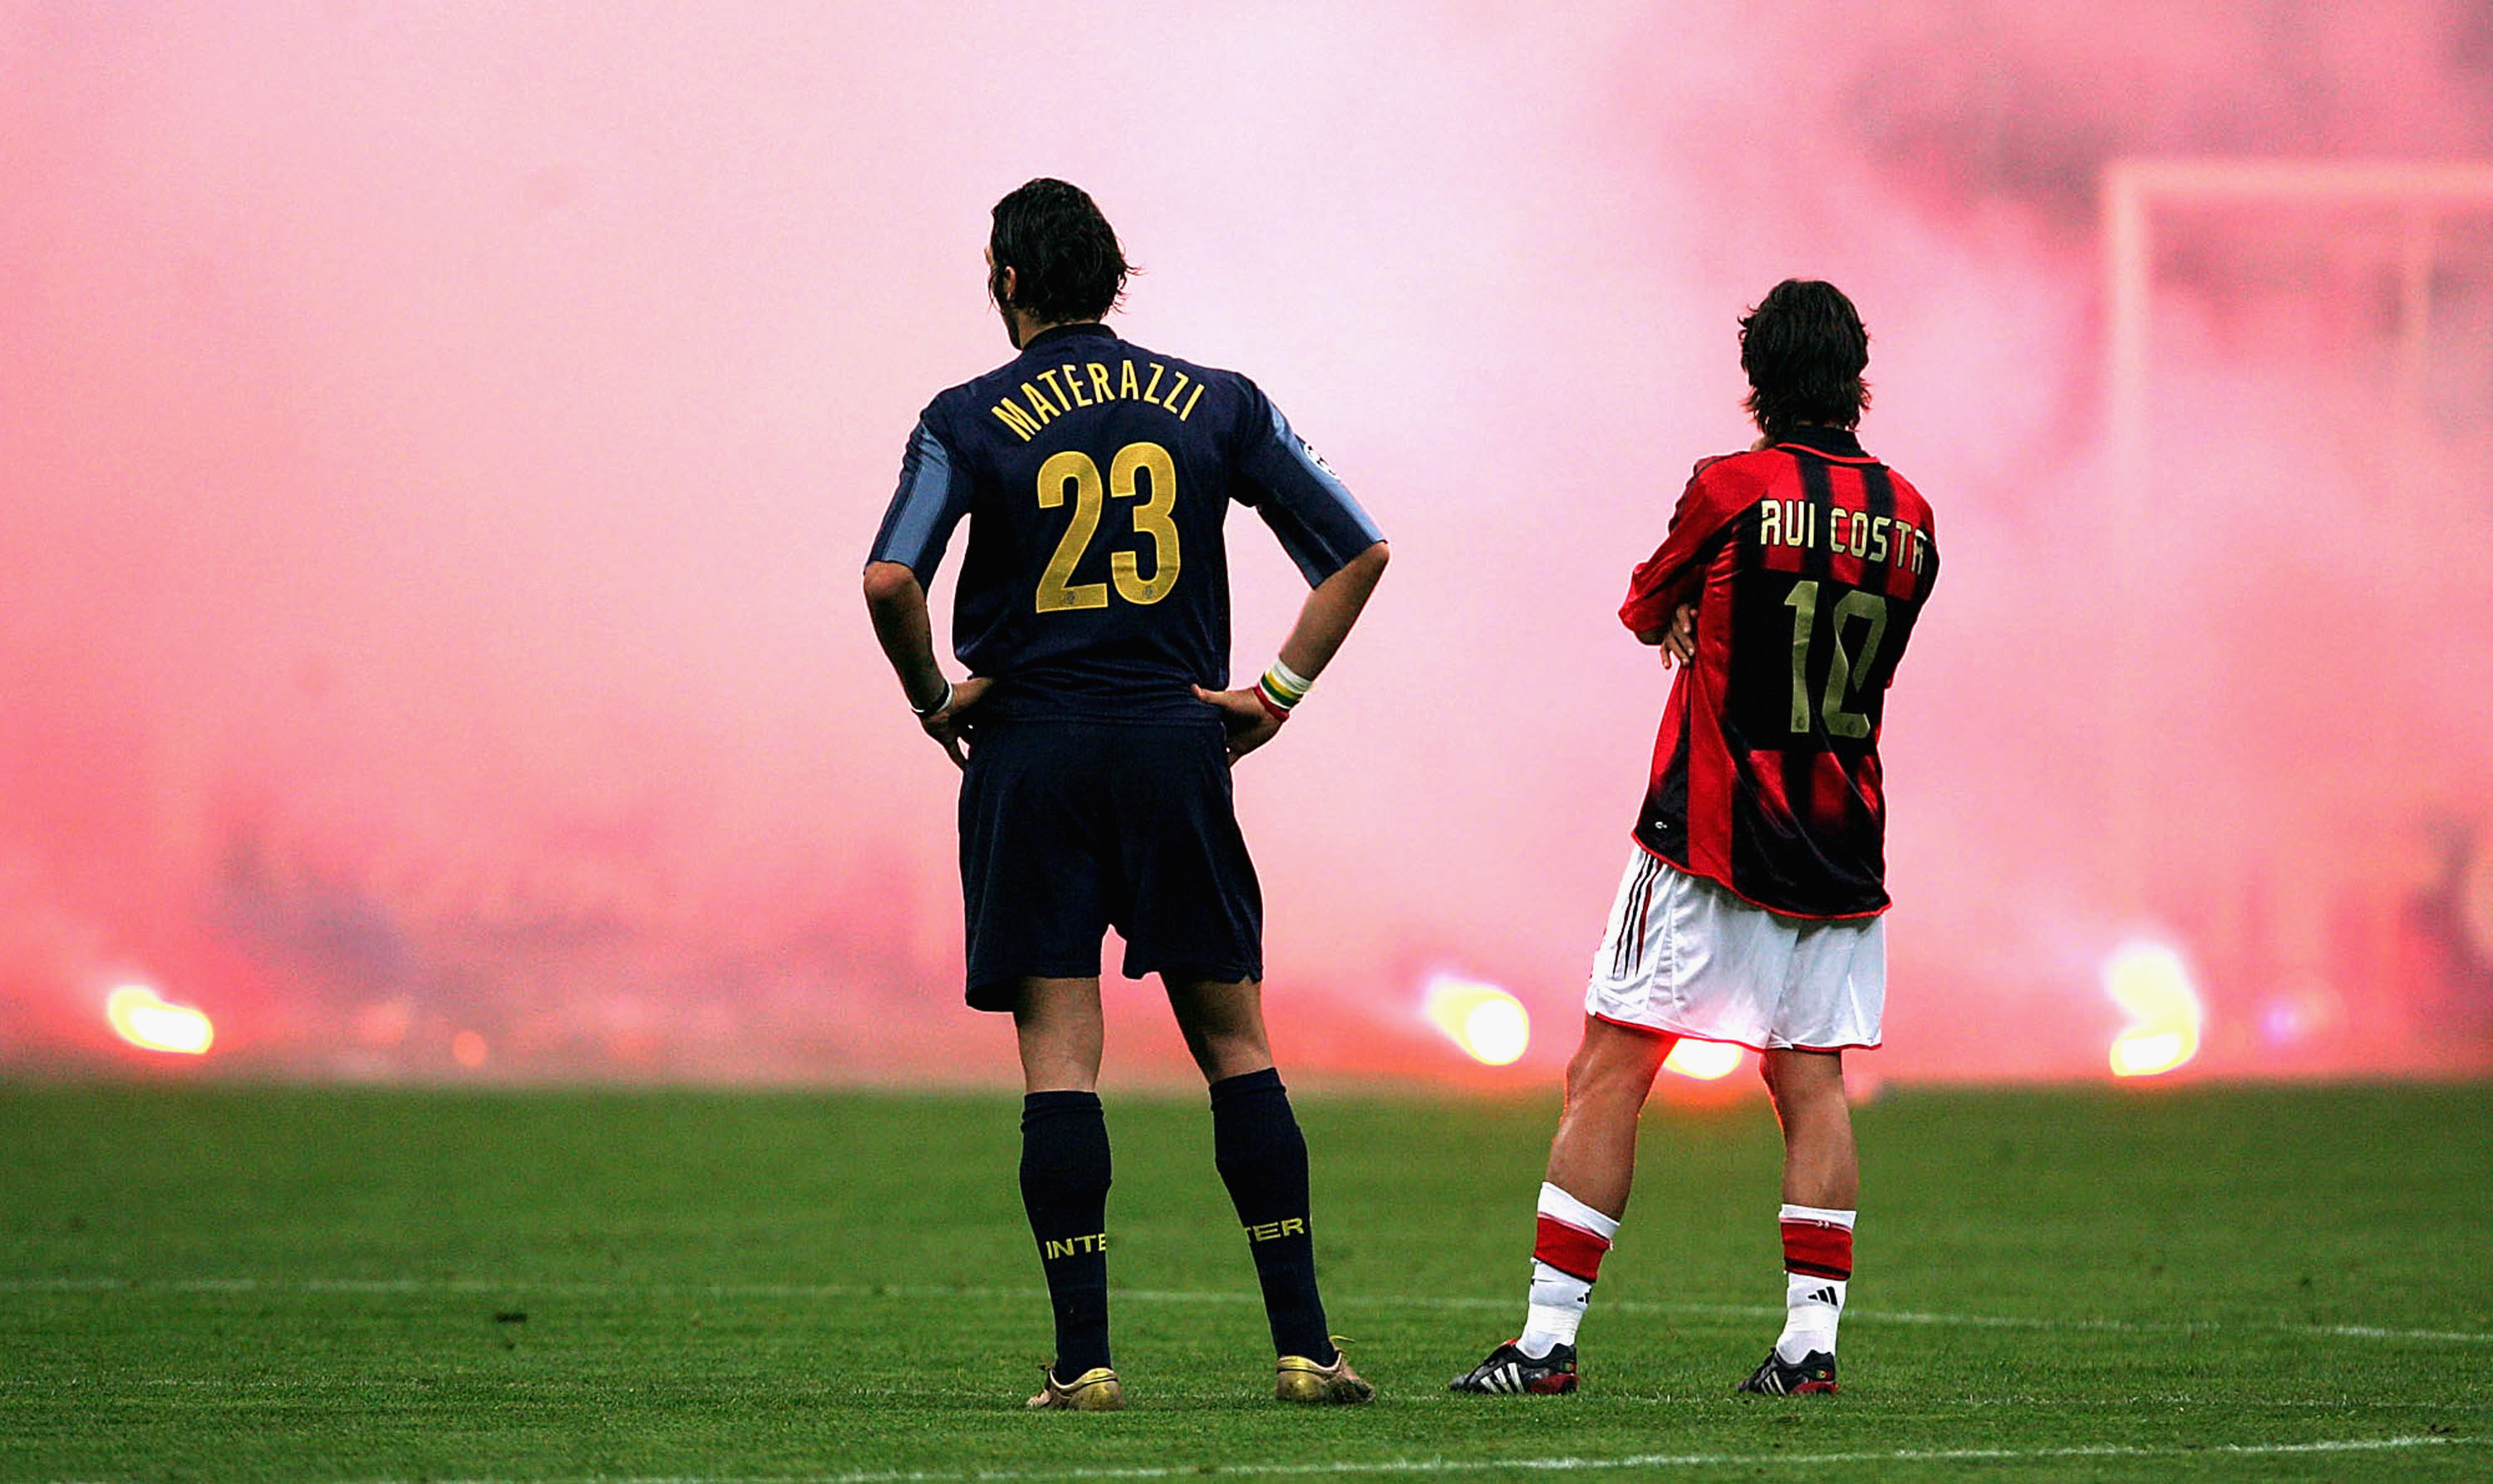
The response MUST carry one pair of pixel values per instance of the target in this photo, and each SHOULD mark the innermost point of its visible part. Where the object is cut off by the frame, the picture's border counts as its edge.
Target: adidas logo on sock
(1825, 1297)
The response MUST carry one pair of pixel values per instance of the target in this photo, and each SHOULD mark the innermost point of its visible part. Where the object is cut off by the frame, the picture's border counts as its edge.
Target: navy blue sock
(1064, 1188)
(1263, 1160)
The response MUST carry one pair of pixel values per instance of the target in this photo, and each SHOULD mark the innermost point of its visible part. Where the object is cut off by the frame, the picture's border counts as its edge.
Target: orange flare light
(141, 1017)
(1705, 1061)
(2150, 984)
(1489, 1025)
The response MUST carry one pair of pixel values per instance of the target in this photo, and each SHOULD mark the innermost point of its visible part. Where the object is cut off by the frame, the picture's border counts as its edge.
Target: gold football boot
(1297, 1379)
(1093, 1390)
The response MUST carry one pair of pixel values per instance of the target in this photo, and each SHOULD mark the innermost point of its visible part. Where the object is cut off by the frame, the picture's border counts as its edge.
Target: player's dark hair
(1804, 348)
(1066, 262)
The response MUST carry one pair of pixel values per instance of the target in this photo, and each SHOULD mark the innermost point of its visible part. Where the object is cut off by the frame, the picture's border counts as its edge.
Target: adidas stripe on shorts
(1685, 956)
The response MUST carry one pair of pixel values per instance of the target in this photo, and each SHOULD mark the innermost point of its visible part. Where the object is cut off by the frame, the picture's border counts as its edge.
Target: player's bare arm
(1325, 620)
(901, 624)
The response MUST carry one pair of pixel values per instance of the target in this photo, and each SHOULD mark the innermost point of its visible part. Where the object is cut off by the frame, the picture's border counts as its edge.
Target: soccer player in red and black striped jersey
(1751, 909)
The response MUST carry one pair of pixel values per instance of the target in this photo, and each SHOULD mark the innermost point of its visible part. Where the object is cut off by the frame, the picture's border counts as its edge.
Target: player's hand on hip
(1680, 645)
(951, 726)
(1242, 713)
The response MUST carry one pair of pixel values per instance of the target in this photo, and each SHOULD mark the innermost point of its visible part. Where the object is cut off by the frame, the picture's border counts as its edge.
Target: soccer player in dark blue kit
(1096, 732)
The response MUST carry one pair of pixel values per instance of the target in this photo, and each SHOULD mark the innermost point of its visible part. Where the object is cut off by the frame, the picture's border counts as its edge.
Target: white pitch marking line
(1553, 1464)
(1417, 1400)
(819, 1290)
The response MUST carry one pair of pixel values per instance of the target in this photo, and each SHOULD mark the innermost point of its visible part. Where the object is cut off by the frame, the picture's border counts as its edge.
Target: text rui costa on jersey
(1795, 523)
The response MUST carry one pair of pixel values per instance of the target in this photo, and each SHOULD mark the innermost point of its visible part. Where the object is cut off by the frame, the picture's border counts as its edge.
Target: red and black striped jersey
(1808, 562)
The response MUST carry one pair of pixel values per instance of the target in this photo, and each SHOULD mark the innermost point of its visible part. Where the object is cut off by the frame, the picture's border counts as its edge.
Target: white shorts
(1685, 956)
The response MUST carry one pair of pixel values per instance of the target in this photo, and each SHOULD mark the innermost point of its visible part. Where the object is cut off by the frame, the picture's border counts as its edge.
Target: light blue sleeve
(1309, 509)
(933, 496)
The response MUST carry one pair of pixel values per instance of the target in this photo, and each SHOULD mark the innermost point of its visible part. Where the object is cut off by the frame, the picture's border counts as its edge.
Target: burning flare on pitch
(143, 1018)
(1489, 1025)
(1704, 1060)
(2152, 987)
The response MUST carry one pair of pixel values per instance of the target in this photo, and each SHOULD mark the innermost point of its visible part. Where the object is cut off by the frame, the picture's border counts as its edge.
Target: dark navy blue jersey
(1096, 477)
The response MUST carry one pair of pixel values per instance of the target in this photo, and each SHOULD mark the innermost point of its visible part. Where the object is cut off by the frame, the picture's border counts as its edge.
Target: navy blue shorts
(1069, 828)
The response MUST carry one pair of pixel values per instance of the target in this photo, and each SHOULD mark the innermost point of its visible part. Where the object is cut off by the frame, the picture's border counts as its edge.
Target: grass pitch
(367, 1285)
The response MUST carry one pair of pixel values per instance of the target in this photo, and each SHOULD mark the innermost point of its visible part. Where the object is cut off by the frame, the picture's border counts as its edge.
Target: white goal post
(2421, 192)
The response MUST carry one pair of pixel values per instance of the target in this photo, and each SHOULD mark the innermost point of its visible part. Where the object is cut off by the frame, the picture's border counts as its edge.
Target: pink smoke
(437, 447)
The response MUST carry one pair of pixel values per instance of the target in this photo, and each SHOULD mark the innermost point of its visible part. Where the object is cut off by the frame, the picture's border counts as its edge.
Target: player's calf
(1064, 1176)
(1262, 1158)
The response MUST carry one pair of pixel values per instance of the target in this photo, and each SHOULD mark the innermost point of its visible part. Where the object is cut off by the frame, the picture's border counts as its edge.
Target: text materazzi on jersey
(1069, 386)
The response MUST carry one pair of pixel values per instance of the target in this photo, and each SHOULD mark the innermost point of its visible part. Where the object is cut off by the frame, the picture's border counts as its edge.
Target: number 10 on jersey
(1846, 675)
(1079, 472)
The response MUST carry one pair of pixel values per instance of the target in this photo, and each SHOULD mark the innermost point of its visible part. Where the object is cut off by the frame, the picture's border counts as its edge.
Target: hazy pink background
(438, 445)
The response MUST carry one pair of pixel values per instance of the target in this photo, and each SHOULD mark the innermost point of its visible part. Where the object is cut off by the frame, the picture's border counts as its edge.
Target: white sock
(1812, 1304)
(1811, 1308)
(1558, 1299)
(1556, 1307)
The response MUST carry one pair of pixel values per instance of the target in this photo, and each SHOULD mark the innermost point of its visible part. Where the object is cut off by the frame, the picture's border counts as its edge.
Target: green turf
(327, 1284)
